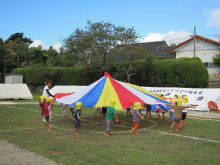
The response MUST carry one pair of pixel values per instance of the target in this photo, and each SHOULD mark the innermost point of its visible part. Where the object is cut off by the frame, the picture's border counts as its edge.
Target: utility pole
(194, 48)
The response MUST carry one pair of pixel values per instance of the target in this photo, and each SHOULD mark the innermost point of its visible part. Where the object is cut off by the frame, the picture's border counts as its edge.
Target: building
(201, 47)
(158, 49)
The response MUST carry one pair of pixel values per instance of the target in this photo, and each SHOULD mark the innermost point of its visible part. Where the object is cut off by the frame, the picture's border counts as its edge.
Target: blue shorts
(171, 115)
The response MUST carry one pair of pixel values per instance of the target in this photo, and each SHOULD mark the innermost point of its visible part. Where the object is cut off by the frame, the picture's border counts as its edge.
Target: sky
(49, 22)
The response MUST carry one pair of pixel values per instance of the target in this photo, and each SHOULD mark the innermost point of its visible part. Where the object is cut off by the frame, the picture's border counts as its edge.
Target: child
(64, 110)
(129, 111)
(50, 107)
(178, 108)
(171, 110)
(136, 117)
(44, 111)
(104, 110)
(76, 118)
(98, 109)
(72, 109)
(148, 110)
(184, 112)
(110, 113)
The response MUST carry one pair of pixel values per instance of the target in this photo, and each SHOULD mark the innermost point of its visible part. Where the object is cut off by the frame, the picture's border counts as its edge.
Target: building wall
(13, 79)
(204, 50)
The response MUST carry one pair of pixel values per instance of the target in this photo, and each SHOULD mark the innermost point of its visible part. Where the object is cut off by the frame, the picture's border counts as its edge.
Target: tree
(20, 36)
(37, 56)
(2, 57)
(216, 59)
(128, 54)
(92, 44)
(16, 48)
(52, 56)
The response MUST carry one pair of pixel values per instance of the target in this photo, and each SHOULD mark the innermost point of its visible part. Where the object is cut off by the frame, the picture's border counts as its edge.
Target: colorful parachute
(100, 92)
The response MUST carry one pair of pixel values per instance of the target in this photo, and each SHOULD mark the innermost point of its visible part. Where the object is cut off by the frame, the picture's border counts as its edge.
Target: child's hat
(112, 102)
(185, 99)
(42, 98)
(179, 102)
(137, 105)
(49, 99)
(78, 105)
(159, 94)
(178, 96)
(172, 100)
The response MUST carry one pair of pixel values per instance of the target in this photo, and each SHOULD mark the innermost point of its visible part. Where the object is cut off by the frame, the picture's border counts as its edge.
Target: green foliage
(216, 59)
(2, 56)
(59, 75)
(20, 36)
(92, 44)
(182, 72)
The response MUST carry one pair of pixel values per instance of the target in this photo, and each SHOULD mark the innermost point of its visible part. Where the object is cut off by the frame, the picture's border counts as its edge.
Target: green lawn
(22, 125)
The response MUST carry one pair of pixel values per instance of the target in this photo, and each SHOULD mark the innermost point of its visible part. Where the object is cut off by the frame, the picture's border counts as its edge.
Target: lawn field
(197, 143)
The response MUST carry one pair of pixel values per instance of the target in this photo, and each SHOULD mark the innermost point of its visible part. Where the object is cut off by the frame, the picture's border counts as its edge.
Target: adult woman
(46, 91)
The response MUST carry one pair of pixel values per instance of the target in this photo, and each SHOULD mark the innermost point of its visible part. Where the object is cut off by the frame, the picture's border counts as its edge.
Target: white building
(205, 49)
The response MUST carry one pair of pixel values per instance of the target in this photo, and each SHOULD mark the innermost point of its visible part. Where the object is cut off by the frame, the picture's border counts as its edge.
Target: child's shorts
(77, 123)
(108, 125)
(184, 115)
(171, 115)
(136, 125)
(47, 118)
(176, 119)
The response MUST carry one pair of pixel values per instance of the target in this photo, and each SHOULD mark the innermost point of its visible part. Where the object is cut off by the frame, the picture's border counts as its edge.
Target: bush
(182, 72)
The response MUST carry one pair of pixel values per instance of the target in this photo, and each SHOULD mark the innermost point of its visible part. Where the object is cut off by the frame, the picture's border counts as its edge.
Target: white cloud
(214, 18)
(37, 43)
(170, 37)
(57, 46)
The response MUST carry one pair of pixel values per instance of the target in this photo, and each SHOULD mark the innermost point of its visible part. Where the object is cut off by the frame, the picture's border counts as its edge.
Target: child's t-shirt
(136, 117)
(44, 109)
(76, 117)
(110, 112)
(178, 110)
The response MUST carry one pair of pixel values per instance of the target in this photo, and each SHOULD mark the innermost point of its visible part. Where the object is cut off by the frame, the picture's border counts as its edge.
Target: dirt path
(11, 154)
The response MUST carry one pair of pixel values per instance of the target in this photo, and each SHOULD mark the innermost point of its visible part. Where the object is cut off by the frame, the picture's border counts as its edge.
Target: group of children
(177, 113)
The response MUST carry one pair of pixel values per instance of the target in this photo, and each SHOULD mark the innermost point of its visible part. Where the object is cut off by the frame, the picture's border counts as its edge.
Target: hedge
(182, 72)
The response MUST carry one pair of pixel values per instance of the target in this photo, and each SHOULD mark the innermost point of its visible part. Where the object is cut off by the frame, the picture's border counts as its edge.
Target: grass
(152, 146)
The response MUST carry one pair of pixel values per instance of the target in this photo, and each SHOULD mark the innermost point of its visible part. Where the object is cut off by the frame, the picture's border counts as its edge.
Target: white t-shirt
(185, 104)
(45, 91)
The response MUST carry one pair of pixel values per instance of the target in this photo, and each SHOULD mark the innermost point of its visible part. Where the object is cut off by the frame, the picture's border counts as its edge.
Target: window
(210, 65)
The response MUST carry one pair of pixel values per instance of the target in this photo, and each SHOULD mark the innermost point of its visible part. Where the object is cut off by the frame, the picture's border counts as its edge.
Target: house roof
(159, 49)
(196, 36)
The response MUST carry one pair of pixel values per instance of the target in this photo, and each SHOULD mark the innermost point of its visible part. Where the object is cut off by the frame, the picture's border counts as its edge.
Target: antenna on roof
(194, 48)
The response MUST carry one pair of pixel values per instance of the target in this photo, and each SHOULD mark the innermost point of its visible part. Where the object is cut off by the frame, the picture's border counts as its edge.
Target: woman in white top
(46, 91)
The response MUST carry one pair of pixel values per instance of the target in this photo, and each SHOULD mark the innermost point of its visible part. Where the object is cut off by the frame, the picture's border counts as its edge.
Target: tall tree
(20, 36)
(16, 47)
(37, 56)
(92, 44)
(2, 57)
(53, 56)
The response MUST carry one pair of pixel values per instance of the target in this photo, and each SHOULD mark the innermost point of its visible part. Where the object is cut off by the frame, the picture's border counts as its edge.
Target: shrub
(182, 72)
